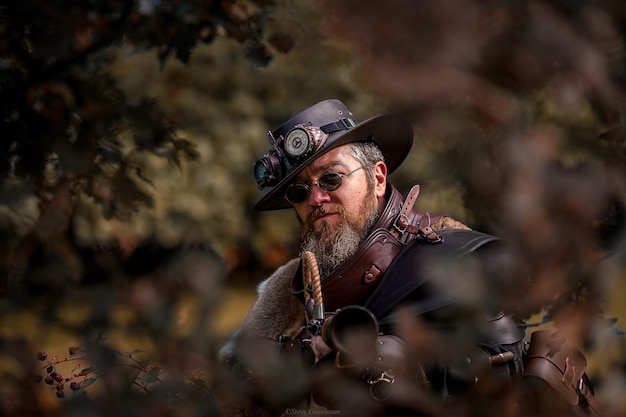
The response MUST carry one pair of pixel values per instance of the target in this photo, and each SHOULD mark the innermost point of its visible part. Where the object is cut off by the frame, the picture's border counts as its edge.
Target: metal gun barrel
(351, 330)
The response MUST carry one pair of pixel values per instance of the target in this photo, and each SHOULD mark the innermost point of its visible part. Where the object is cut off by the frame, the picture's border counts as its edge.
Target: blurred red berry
(74, 386)
(58, 377)
(42, 356)
(60, 394)
(49, 380)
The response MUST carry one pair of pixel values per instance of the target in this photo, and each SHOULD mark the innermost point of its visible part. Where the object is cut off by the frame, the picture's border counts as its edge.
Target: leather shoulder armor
(466, 268)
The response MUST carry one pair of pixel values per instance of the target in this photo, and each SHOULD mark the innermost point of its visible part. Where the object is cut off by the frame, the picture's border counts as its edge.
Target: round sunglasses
(331, 181)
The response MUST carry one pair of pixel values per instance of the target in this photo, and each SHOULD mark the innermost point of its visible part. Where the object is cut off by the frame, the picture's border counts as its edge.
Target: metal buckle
(406, 222)
(580, 386)
(347, 123)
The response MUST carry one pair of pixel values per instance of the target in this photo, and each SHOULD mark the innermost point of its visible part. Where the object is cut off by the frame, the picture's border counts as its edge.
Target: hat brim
(393, 135)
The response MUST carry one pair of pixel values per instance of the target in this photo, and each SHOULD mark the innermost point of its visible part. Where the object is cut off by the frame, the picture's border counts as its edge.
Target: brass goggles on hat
(288, 152)
(298, 192)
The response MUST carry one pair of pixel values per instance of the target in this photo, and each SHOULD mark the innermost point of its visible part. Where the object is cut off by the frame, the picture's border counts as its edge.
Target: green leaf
(87, 382)
(87, 371)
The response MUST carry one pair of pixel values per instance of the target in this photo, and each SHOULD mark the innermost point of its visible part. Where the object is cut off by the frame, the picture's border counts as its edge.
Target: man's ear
(380, 174)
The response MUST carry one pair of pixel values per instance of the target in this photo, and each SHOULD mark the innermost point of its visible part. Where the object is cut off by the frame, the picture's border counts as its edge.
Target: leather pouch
(562, 365)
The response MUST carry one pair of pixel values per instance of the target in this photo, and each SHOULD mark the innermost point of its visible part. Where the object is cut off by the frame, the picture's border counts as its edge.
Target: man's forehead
(336, 158)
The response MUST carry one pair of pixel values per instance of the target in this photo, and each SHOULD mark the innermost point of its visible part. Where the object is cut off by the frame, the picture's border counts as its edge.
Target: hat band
(344, 124)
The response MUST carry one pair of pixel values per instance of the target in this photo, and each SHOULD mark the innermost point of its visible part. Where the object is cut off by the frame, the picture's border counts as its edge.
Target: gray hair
(368, 154)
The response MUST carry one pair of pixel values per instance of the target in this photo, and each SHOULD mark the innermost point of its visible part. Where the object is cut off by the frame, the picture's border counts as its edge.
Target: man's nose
(318, 196)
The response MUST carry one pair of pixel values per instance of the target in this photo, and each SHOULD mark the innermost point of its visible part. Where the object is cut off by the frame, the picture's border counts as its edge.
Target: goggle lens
(331, 181)
(297, 193)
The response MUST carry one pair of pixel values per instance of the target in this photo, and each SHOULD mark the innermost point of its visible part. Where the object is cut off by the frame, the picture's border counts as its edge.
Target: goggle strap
(343, 124)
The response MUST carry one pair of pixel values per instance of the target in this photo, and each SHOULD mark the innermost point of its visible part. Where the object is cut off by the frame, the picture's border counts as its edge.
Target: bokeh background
(129, 130)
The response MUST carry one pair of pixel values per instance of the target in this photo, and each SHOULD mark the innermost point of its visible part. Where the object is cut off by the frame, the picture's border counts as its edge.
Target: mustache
(307, 224)
(322, 210)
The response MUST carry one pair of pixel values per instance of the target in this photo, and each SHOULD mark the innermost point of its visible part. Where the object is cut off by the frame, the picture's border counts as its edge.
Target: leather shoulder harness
(399, 224)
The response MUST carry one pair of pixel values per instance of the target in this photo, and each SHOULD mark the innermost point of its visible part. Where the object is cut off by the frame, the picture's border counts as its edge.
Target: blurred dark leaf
(87, 371)
(258, 54)
(164, 54)
(109, 155)
(185, 40)
(207, 33)
(282, 42)
(140, 175)
(128, 195)
(56, 94)
(151, 375)
(87, 382)
(73, 349)
(185, 147)
(150, 128)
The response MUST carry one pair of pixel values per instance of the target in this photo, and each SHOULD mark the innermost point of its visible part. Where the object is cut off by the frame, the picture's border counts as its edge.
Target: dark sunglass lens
(330, 181)
(296, 193)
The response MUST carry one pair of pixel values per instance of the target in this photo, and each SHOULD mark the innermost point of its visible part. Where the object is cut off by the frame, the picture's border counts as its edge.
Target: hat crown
(319, 114)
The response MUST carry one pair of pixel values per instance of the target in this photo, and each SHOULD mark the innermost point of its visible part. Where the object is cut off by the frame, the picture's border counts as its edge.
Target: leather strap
(425, 230)
(403, 222)
(343, 124)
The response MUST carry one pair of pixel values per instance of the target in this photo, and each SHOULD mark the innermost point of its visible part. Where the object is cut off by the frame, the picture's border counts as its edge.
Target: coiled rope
(312, 284)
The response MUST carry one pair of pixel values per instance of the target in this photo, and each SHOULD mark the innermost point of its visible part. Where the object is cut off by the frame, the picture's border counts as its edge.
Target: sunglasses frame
(307, 186)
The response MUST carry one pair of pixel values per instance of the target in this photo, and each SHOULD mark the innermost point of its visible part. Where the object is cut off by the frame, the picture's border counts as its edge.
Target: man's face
(334, 223)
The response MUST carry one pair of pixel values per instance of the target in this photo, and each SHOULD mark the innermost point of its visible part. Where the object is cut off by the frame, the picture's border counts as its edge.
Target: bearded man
(377, 258)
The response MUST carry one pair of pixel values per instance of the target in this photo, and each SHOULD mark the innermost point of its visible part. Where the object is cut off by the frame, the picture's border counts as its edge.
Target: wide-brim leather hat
(315, 131)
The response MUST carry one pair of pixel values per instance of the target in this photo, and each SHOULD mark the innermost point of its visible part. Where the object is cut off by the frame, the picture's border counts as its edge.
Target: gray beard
(338, 247)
